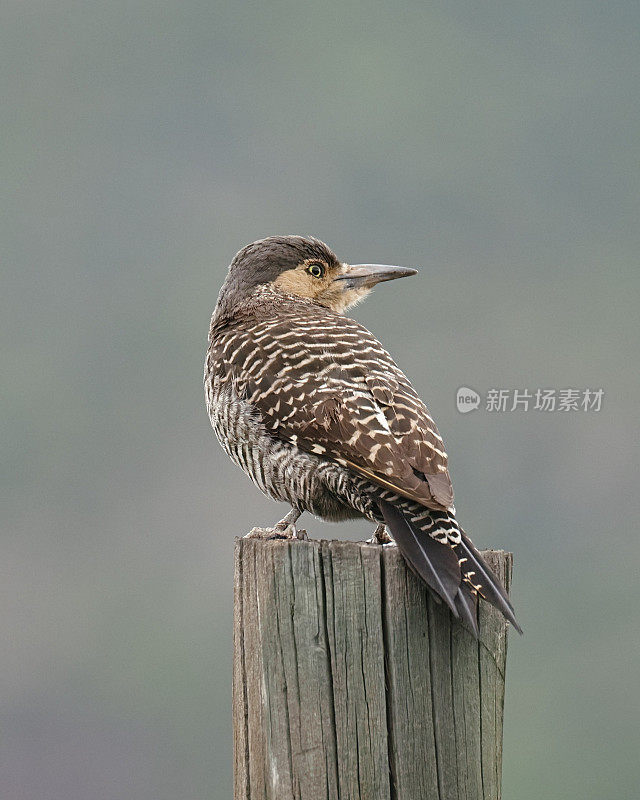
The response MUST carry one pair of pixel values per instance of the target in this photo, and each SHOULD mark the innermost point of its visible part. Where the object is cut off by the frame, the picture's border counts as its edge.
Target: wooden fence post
(351, 683)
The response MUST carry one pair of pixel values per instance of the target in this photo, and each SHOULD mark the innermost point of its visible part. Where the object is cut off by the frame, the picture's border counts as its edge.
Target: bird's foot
(277, 532)
(380, 536)
(290, 532)
(285, 529)
(261, 533)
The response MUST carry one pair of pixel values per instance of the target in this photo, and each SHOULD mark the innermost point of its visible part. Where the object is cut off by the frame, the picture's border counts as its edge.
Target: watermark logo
(541, 400)
(467, 400)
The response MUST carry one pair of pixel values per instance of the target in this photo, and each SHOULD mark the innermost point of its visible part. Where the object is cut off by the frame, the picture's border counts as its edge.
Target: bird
(312, 407)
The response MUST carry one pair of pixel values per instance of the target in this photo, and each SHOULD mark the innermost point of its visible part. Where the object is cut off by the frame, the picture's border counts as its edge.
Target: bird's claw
(289, 531)
(277, 532)
(380, 536)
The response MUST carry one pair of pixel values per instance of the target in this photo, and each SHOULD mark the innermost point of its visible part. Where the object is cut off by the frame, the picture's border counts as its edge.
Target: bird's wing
(328, 386)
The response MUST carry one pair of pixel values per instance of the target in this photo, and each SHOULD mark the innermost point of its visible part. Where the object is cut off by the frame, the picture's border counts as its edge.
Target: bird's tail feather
(454, 570)
(483, 579)
(467, 605)
(436, 564)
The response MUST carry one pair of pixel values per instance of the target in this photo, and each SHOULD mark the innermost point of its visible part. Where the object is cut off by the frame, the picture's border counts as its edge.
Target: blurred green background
(494, 145)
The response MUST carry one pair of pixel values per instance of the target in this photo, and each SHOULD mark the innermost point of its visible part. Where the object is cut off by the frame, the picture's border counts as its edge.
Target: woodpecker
(312, 407)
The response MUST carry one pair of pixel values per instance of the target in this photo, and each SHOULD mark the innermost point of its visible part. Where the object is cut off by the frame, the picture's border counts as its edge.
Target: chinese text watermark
(542, 400)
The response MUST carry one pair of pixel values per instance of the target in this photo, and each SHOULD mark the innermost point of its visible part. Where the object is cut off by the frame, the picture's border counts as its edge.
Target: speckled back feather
(323, 382)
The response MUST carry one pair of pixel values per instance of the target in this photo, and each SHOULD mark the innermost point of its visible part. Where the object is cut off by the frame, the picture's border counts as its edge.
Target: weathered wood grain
(350, 682)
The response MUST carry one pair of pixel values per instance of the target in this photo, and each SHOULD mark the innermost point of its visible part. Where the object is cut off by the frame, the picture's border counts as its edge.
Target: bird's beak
(365, 276)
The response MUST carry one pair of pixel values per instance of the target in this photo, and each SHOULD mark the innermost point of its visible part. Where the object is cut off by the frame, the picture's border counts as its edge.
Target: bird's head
(304, 267)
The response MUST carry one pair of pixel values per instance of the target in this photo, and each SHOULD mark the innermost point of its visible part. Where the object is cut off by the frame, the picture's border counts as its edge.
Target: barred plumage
(312, 407)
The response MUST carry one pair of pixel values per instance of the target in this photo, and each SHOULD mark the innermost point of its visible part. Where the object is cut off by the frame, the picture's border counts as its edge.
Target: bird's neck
(263, 301)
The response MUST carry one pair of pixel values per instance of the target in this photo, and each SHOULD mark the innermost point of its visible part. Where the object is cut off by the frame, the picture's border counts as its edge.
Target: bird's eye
(317, 270)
